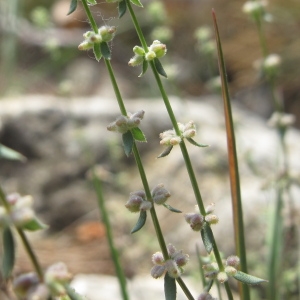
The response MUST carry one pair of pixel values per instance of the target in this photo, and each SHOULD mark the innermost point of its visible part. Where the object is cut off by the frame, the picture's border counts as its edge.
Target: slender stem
(90, 16)
(114, 252)
(31, 254)
(184, 288)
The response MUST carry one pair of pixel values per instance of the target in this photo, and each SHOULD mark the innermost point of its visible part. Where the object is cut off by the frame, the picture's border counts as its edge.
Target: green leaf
(137, 3)
(127, 142)
(248, 279)
(170, 287)
(122, 8)
(8, 259)
(145, 67)
(193, 142)
(35, 225)
(105, 50)
(97, 51)
(172, 209)
(138, 134)
(73, 6)
(141, 222)
(165, 152)
(159, 68)
(92, 2)
(11, 154)
(207, 237)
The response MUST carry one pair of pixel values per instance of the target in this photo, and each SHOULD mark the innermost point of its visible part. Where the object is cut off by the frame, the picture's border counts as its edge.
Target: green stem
(184, 288)
(90, 16)
(275, 247)
(31, 254)
(109, 235)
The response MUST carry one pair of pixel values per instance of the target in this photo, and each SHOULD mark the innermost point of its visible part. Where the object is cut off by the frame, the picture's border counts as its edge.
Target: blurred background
(41, 65)
(39, 49)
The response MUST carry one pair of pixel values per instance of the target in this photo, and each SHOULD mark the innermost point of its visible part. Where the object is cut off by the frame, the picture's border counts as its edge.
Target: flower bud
(254, 8)
(23, 283)
(195, 220)
(222, 277)
(158, 48)
(12, 199)
(181, 259)
(233, 261)
(136, 60)
(171, 250)
(150, 55)
(138, 50)
(134, 203)
(172, 268)
(58, 272)
(107, 33)
(85, 46)
(212, 219)
(210, 208)
(160, 194)
(175, 140)
(22, 202)
(22, 216)
(158, 258)
(157, 271)
(139, 114)
(230, 271)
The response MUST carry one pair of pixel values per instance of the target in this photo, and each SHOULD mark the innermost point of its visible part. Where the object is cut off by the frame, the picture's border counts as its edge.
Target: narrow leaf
(97, 51)
(137, 3)
(170, 287)
(141, 222)
(73, 6)
(248, 279)
(127, 142)
(233, 166)
(35, 225)
(172, 209)
(207, 237)
(145, 67)
(159, 68)
(138, 134)
(166, 152)
(8, 259)
(122, 8)
(193, 142)
(105, 50)
(11, 154)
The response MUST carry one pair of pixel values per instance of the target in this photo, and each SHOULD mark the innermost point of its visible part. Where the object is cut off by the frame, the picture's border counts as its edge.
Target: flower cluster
(137, 200)
(170, 138)
(20, 211)
(281, 120)
(255, 8)
(196, 220)
(173, 265)
(124, 123)
(156, 50)
(29, 286)
(105, 34)
(212, 270)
